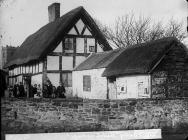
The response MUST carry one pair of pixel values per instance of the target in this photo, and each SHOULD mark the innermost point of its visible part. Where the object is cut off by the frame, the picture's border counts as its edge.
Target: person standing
(21, 90)
(61, 91)
(49, 89)
(15, 90)
(39, 90)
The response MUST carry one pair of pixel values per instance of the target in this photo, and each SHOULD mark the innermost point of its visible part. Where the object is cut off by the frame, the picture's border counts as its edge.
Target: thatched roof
(136, 59)
(37, 45)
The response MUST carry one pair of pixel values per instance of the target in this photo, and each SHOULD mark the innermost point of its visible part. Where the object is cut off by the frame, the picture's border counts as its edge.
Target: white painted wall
(79, 45)
(130, 84)
(99, 49)
(36, 79)
(72, 31)
(98, 84)
(58, 48)
(52, 62)
(67, 63)
(54, 78)
(80, 25)
(80, 59)
(87, 32)
(40, 66)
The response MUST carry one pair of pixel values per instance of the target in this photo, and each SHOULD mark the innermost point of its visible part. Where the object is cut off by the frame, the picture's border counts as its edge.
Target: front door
(112, 90)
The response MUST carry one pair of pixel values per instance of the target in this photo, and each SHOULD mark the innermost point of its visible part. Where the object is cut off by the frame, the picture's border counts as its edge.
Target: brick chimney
(54, 11)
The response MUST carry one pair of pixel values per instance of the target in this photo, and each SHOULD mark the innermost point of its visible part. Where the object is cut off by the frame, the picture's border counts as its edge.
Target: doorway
(112, 89)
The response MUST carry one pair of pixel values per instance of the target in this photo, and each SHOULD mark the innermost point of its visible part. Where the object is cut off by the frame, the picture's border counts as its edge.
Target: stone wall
(170, 78)
(46, 115)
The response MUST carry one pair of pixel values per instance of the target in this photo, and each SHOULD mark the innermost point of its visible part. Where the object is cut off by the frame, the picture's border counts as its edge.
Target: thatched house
(156, 69)
(54, 50)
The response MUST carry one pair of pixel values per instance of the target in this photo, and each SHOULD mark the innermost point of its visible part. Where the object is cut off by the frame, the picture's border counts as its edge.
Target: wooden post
(74, 52)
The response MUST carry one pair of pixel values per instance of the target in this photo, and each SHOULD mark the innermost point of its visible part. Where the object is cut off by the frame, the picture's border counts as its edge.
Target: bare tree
(128, 30)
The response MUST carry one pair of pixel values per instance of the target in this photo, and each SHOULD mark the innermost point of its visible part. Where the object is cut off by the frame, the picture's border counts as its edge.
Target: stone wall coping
(89, 100)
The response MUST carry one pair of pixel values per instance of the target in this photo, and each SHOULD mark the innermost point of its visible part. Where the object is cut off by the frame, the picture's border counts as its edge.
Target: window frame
(91, 48)
(68, 44)
(87, 83)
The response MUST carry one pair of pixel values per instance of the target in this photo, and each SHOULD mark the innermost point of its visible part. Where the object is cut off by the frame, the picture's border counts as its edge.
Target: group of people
(35, 91)
(50, 91)
(17, 90)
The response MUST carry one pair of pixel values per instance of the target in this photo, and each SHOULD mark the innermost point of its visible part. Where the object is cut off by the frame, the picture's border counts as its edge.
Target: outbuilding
(156, 69)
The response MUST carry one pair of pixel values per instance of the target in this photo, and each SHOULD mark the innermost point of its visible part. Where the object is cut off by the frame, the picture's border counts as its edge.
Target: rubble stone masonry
(60, 115)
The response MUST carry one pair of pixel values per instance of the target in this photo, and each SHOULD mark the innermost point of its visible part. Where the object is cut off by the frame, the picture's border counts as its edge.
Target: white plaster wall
(30, 69)
(37, 66)
(99, 49)
(14, 71)
(36, 79)
(72, 31)
(34, 71)
(80, 25)
(58, 48)
(79, 59)
(40, 66)
(87, 32)
(68, 93)
(79, 45)
(27, 69)
(54, 78)
(98, 84)
(52, 62)
(67, 63)
(19, 79)
(131, 83)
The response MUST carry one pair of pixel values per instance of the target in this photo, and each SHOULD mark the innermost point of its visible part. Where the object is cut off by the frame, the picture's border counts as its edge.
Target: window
(86, 83)
(122, 87)
(67, 79)
(92, 48)
(69, 44)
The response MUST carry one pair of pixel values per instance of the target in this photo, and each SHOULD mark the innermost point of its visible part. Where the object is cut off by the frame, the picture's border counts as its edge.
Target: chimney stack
(54, 11)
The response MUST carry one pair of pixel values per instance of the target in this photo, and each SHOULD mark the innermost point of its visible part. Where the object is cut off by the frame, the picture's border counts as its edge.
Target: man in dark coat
(15, 88)
(49, 89)
(61, 91)
(21, 90)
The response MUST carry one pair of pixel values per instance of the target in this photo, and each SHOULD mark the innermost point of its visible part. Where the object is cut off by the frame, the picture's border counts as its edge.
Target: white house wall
(130, 84)
(72, 32)
(80, 59)
(52, 62)
(87, 32)
(99, 49)
(67, 63)
(98, 84)
(40, 67)
(58, 48)
(36, 79)
(54, 78)
(80, 45)
(80, 25)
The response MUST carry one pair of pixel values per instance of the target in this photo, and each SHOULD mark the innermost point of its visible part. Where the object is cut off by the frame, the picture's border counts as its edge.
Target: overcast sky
(20, 18)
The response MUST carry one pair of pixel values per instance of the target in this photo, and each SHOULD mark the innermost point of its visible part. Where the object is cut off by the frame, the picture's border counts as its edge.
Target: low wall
(58, 115)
